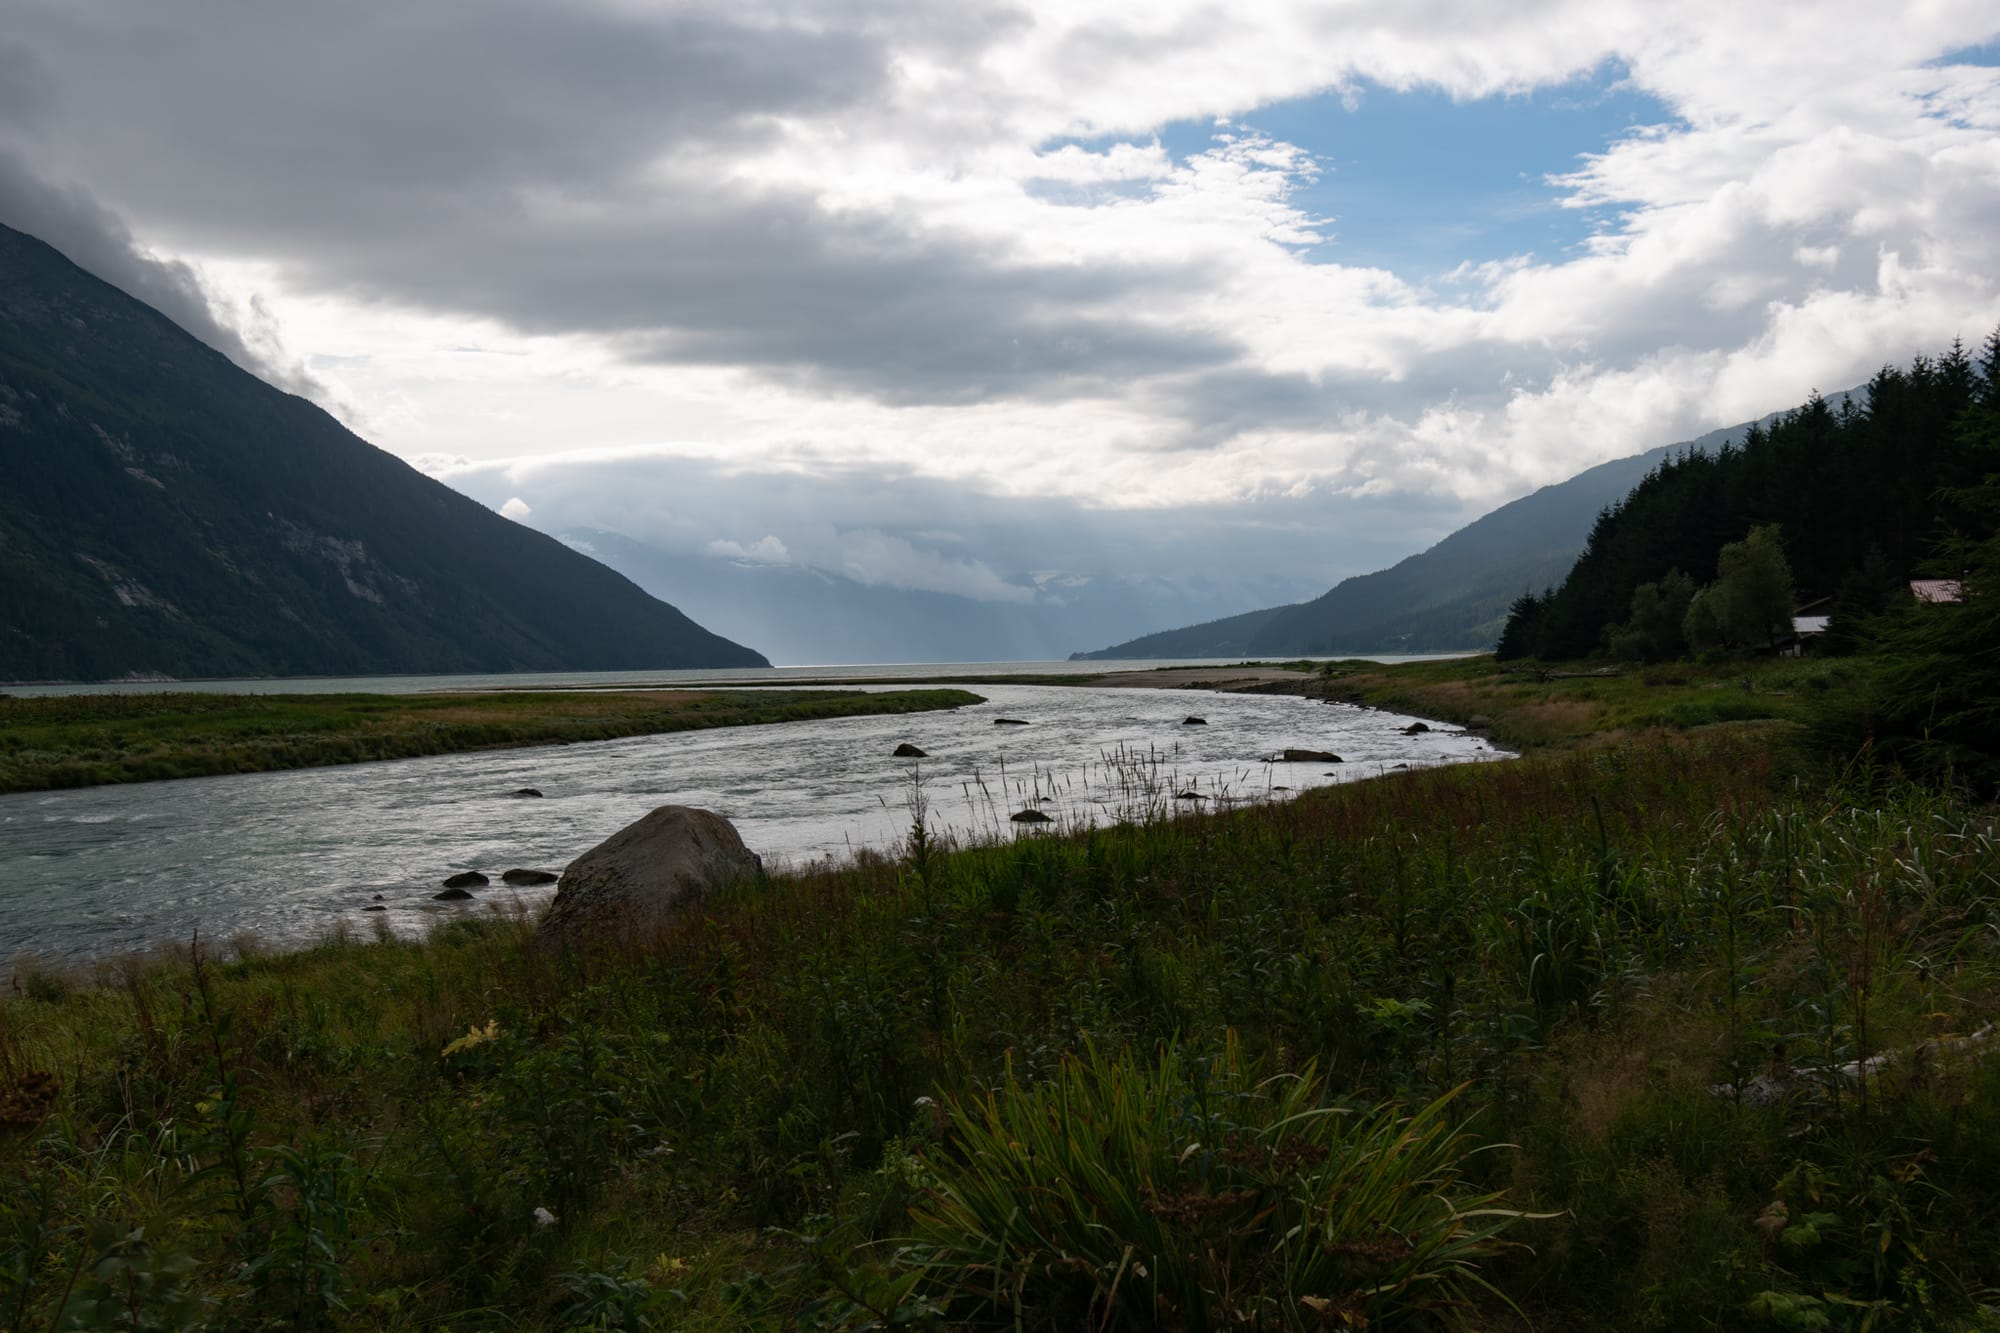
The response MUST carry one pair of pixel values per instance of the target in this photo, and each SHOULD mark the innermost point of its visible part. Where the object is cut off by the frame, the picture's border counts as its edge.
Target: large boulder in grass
(641, 875)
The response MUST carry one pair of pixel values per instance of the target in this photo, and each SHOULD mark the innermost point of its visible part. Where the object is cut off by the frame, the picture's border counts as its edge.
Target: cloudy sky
(980, 298)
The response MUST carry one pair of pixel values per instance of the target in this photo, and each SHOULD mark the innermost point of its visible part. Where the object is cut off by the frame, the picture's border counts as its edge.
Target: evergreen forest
(1831, 512)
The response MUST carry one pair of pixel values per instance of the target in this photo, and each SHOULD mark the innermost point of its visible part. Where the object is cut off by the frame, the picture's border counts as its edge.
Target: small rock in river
(527, 791)
(377, 907)
(1008, 722)
(466, 879)
(1416, 728)
(1194, 721)
(1310, 757)
(1031, 817)
(450, 896)
(908, 751)
(529, 877)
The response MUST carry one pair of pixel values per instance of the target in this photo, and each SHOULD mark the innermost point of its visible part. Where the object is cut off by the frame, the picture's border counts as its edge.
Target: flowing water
(287, 856)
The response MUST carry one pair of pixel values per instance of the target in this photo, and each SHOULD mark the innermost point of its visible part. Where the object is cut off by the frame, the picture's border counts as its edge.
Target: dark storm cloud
(27, 89)
(388, 97)
(95, 240)
(567, 169)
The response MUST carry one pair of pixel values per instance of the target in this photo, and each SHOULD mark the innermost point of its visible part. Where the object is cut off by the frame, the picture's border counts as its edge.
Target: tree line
(1712, 552)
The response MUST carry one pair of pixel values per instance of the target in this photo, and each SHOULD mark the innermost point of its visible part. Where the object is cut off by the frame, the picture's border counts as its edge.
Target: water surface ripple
(287, 855)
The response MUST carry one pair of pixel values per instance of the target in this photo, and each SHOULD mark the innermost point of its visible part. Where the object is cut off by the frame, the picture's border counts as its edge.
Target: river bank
(81, 740)
(827, 1097)
(292, 854)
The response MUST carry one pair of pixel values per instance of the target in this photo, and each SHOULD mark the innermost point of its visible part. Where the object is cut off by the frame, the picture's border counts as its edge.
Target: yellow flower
(474, 1036)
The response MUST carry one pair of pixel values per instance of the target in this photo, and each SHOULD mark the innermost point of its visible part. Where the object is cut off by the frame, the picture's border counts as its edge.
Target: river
(289, 856)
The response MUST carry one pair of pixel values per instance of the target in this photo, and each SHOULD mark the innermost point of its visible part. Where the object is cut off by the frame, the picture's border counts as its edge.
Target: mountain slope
(162, 511)
(801, 615)
(1452, 597)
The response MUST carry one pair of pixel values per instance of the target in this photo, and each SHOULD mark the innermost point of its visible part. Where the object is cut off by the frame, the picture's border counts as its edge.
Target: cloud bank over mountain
(1100, 260)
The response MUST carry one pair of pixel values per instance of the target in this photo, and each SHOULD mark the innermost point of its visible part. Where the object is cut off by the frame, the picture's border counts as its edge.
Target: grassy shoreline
(1529, 707)
(85, 740)
(1559, 1042)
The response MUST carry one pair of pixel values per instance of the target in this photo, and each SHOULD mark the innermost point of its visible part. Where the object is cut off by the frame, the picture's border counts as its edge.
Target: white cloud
(516, 508)
(869, 555)
(763, 551)
(948, 243)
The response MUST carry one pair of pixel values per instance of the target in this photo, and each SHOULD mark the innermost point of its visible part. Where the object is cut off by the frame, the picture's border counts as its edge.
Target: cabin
(1809, 625)
(1937, 592)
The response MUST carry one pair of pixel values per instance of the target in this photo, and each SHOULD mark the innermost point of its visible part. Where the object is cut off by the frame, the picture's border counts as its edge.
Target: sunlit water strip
(288, 855)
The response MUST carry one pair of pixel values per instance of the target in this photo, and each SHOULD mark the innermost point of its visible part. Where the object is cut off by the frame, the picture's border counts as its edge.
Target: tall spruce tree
(1840, 482)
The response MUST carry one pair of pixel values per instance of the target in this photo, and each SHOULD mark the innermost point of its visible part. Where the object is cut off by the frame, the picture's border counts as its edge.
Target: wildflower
(544, 1218)
(474, 1036)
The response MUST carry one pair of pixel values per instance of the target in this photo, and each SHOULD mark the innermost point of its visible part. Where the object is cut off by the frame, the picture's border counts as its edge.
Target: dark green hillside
(1228, 637)
(1857, 490)
(163, 511)
(1454, 596)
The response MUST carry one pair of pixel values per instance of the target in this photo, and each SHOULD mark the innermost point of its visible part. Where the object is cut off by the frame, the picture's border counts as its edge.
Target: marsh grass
(85, 740)
(1530, 706)
(800, 1103)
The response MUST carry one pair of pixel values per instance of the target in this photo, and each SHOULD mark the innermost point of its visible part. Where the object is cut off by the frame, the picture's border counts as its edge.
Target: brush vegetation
(1524, 706)
(1657, 1034)
(82, 740)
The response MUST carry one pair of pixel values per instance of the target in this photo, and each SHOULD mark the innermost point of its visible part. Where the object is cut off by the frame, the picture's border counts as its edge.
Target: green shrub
(1189, 1195)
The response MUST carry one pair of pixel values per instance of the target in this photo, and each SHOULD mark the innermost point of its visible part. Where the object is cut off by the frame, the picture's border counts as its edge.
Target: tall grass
(1142, 1190)
(958, 1085)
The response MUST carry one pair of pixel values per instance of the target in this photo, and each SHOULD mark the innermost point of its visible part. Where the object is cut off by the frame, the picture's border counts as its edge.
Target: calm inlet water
(289, 855)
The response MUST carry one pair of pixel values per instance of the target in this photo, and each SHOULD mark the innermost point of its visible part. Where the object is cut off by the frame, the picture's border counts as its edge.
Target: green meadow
(83, 740)
(1664, 1025)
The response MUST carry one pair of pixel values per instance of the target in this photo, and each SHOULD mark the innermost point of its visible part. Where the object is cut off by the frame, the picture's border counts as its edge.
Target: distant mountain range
(1451, 598)
(164, 512)
(807, 616)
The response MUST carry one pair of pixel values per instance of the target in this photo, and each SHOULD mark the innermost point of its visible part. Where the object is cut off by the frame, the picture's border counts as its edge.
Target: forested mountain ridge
(163, 511)
(1857, 491)
(1452, 597)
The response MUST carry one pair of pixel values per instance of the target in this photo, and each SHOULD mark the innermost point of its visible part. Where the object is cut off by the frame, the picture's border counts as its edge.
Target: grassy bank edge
(65, 741)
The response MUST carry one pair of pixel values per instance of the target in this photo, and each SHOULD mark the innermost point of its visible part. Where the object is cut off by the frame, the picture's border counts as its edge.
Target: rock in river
(1194, 721)
(1031, 816)
(527, 791)
(466, 879)
(1008, 722)
(637, 877)
(909, 751)
(451, 895)
(1416, 728)
(526, 877)
(1310, 757)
